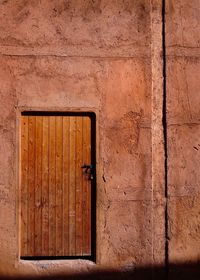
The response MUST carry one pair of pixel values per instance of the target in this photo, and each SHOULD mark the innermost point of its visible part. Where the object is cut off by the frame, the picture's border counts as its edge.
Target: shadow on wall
(178, 272)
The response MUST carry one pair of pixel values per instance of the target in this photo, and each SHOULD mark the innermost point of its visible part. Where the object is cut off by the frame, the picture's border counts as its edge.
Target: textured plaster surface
(183, 100)
(85, 55)
(86, 83)
(106, 56)
(108, 28)
(158, 155)
(184, 231)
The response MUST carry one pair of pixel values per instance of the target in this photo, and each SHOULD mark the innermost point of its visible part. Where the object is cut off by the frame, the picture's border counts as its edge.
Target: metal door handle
(89, 169)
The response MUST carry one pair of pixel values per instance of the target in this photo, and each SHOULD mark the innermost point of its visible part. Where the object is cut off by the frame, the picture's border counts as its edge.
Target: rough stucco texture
(88, 55)
(183, 108)
(104, 26)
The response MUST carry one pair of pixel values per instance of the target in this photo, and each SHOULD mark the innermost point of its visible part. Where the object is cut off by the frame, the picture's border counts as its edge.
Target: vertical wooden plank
(24, 185)
(52, 183)
(59, 186)
(31, 185)
(38, 187)
(78, 190)
(66, 184)
(45, 187)
(72, 186)
(86, 187)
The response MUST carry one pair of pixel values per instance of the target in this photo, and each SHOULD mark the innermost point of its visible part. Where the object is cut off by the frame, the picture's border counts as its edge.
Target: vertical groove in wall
(165, 134)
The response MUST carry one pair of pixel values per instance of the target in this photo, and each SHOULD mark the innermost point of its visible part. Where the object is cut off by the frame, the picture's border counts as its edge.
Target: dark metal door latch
(89, 169)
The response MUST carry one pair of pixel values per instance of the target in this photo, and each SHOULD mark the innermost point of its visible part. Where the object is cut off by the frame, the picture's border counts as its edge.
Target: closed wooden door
(55, 189)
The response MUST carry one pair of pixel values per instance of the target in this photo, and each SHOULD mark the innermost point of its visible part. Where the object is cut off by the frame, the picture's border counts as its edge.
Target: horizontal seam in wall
(68, 56)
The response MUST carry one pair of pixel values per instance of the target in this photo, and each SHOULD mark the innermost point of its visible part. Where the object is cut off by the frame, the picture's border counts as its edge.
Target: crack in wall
(164, 123)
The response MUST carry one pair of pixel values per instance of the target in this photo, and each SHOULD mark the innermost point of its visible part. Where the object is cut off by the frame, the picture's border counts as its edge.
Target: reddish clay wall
(82, 55)
(106, 57)
(183, 108)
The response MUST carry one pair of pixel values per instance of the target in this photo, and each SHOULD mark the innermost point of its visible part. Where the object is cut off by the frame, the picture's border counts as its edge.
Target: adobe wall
(183, 109)
(106, 57)
(85, 55)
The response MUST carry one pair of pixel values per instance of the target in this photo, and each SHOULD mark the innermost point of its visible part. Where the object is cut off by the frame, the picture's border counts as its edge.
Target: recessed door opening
(57, 185)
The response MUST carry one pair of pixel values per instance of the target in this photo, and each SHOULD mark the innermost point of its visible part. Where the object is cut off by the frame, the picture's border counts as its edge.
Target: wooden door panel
(38, 187)
(72, 187)
(30, 200)
(59, 186)
(24, 191)
(55, 190)
(52, 183)
(86, 191)
(66, 183)
(45, 186)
